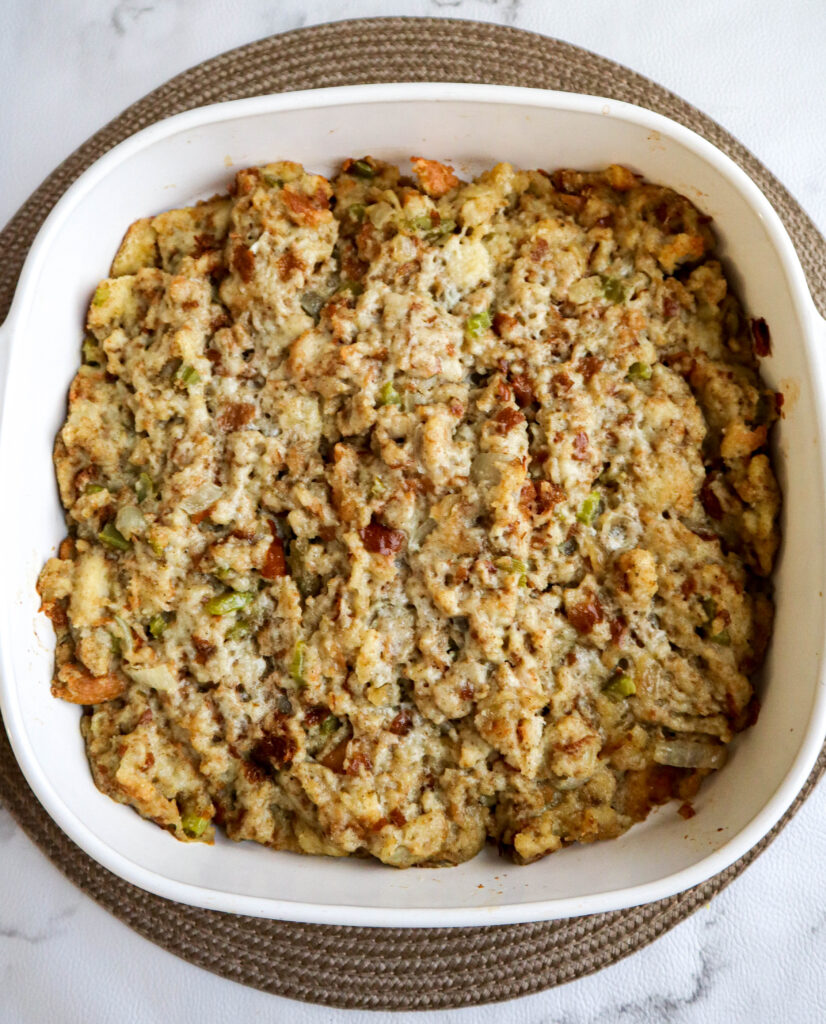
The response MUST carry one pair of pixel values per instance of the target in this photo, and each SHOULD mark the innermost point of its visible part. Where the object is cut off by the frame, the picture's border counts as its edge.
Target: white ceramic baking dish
(189, 156)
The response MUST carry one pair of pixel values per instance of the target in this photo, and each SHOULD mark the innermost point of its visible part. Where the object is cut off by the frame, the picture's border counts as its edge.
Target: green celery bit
(446, 227)
(272, 181)
(388, 394)
(639, 371)
(101, 294)
(423, 223)
(187, 375)
(432, 232)
(356, 212)
(112, 536)
(515, 565)
(377, 488)
(297, 662)
(157, 547)
(723, 638)
(362, 169)
(93, 489)
(193, 825)
(620, 687)
(238, 631)
(144, 488)
(157, 625)
(477, 324)
(329, 725)
(355, 288)
(591, 508)
(613, 289)
(91, 352)
(224, 604)
(222, 572)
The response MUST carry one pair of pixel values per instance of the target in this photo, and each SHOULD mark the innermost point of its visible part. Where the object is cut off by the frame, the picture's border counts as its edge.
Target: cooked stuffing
(406, 513)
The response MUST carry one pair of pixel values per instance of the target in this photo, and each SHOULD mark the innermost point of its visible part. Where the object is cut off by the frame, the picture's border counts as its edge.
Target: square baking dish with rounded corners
(188, 157)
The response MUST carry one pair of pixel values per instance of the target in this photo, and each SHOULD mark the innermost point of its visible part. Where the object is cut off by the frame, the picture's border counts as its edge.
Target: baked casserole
(409, 513)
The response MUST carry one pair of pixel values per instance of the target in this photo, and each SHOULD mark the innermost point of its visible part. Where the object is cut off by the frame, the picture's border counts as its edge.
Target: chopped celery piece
(112, 536)
(446, 227)
(613, 289)
(423, 223)
(620, 687)
(157, 625)
(157, 547)
(239, 630)
(515, 565)
(639, 371)
(329, 725)
(187, 375)
(388, 394)
(477, 324)
(224, 604)
(591, 508)
(297, 662)
(101, 294)
(362, 169)
(355, 288)
(91, 352)
(432, 232)
(194, 826)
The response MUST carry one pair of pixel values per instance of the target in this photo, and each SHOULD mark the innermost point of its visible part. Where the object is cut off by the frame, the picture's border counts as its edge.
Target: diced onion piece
(157, 677)
(486, 469)
(130, 521)
(201, 499)
(680, 753)
(123, 634)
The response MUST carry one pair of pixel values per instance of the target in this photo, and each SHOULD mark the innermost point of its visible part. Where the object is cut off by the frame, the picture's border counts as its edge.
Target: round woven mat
(374, 968)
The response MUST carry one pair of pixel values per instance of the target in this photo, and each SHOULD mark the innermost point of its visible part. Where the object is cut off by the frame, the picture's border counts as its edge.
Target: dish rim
(508, 913)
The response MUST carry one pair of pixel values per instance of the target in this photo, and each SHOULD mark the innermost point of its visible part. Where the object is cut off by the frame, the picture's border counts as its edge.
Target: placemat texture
(392, 968)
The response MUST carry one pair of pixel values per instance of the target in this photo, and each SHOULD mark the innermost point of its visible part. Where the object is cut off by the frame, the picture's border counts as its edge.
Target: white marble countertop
(758, 952)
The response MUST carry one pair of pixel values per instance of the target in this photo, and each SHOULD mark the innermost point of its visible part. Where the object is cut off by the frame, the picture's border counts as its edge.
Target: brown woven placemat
(391, 968)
